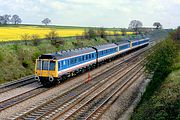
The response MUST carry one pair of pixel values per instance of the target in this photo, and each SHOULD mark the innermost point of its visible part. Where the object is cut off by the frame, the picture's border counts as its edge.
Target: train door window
(101, 53)
(52, 65)
(71, 61)
(86, 57)
(79, 59)
(89, 56)
(59, 66)
(74, 60)
(45, 65)
(83, 57)
(67, 62)
(93, 55)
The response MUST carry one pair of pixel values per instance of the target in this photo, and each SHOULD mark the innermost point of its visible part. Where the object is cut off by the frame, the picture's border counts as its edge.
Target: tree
(157, 25)
(25, 37)
(53, 36)
(6, 18)
(135, 25)
(101, 32)
(46, 21)
(175, 35)
(123, 31)
(1, 20)
(35, 39)
(16, 19)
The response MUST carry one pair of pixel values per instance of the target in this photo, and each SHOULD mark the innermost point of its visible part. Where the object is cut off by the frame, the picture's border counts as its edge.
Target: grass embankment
(161, 100)
(17, 60)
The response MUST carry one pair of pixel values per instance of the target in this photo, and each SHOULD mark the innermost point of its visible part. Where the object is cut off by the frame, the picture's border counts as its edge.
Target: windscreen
(45, 65)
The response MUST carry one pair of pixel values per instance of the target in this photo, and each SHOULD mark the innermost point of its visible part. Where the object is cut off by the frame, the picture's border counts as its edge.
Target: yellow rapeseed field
(14, 33)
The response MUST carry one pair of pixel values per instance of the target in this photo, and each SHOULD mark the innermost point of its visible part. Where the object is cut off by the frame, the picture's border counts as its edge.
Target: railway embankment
(161, 100)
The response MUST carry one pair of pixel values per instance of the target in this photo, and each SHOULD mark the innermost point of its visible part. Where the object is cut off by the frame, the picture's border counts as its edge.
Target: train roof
(66, 54)
(105, 46)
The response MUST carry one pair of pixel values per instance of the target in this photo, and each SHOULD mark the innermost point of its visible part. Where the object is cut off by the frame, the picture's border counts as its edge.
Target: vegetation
(161, 98)
(7, 19)
(160, 64)
(135, 25)
(157, 25)
(175, 35)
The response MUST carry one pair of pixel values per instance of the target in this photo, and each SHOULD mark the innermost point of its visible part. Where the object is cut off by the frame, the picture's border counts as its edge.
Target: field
(14, 32)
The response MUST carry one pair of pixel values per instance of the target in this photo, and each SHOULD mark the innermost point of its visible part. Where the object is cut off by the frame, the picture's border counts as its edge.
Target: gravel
(124, 105)
(18, 91)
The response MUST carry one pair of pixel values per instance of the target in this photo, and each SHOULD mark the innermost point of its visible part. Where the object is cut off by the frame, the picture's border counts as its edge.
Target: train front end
(46, 71)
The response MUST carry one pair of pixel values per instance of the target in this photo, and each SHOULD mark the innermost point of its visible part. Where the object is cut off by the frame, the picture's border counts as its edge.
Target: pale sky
(106, 13)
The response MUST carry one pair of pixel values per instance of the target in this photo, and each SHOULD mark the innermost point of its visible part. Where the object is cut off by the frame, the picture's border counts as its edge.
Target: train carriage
(106, 51)
(52, 67)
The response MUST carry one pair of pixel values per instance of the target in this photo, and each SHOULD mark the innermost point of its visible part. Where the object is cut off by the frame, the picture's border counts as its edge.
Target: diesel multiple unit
(52, 68)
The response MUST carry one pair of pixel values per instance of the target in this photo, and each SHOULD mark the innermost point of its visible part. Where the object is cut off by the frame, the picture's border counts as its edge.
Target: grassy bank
(17, 60)
(164, 102)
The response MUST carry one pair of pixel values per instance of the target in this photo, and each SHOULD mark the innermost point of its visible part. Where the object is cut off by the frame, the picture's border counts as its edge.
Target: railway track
(21, 97)
(43, 109)
(18, 83)
(93, 107)
(84, 109)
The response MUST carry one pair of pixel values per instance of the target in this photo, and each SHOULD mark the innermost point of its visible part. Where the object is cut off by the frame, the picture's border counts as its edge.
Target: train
(56, 67)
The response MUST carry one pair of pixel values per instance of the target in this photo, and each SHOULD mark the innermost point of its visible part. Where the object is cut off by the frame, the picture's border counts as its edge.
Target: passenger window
(89, 56)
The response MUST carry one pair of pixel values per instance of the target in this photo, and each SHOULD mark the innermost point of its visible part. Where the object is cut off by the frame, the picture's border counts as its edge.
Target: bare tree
(46, 21)
(53, 36)
(16, 19)
(25, 37)
(157, 25)
(135, 25)
(35, 39)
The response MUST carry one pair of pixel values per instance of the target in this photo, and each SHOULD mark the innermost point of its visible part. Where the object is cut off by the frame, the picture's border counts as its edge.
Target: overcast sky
(106, 13)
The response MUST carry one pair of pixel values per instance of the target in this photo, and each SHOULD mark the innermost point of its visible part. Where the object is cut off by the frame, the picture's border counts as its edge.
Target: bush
(175, 35)
(35, 39)
(26, 63)
(1, 57)
(25, 37)
(53, 36)
(160, 64)
(36, 55)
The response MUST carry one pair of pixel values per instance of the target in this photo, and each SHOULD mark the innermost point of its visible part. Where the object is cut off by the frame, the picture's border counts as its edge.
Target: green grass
(164, 104)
